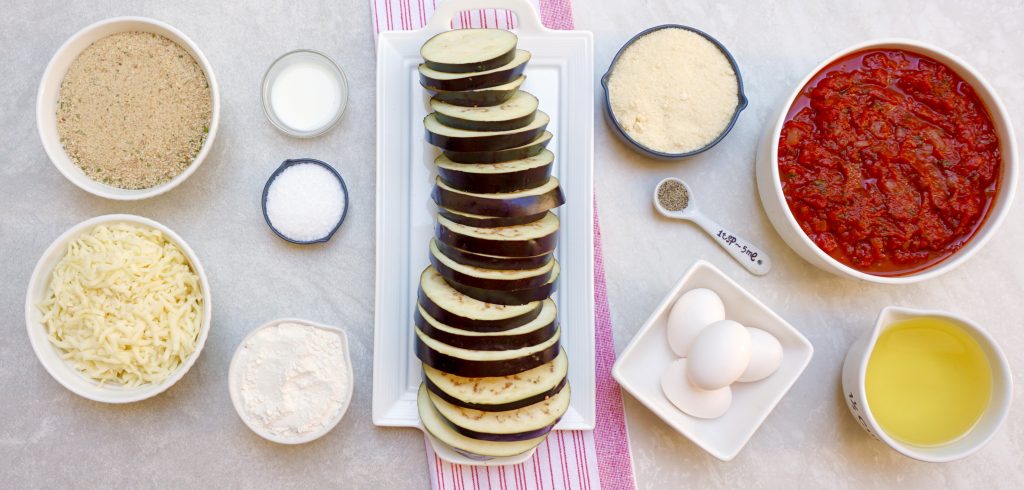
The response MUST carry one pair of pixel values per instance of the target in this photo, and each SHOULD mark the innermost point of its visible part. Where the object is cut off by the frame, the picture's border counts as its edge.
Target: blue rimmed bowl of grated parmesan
(118, 308)
(291, 380)
(672, 92)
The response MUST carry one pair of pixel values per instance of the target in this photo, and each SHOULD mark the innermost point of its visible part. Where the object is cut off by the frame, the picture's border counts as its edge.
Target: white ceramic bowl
(236, 396)
(49, 356)
(770, 187)
(638, 370)
(855, 372)
(49, 92)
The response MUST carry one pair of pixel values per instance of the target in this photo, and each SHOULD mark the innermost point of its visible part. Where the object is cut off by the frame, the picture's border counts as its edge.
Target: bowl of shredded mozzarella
(118, 308)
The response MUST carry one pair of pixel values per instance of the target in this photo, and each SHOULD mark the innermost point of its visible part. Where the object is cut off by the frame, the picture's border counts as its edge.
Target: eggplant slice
(484, 363)
(469, 50)
(514, 113)
(449, 138)
(481, 96)
(454, 308)
(499, 393)
(481, 221)
(503, 204)
(496, 279)
(533, 333)
(516, 297)
(485, 178)
(485, 261)
(436, 426)
(435, 80)
(528, 150)
(521, 424)
(529, 240)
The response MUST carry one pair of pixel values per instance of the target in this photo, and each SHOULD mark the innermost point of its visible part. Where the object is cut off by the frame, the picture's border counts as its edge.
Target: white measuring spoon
(748, 255)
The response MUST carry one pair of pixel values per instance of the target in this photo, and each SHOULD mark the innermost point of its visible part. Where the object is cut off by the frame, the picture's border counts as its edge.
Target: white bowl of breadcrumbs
(128, 108)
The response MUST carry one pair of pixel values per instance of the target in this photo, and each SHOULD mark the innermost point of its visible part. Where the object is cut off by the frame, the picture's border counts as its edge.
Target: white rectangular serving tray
(561, 75)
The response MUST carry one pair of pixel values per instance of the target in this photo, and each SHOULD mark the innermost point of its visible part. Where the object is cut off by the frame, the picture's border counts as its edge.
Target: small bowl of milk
(304, 93)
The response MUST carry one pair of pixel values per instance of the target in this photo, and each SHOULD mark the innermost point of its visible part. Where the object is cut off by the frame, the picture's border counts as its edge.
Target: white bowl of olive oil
(932, 385)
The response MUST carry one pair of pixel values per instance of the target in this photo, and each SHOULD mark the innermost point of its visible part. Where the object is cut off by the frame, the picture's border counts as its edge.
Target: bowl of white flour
(291, 380)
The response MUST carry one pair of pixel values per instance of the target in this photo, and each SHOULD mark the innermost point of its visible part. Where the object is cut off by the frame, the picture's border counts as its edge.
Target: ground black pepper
(672, 195)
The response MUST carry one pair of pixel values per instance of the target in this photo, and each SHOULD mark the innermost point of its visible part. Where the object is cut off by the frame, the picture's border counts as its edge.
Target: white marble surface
(191, 436)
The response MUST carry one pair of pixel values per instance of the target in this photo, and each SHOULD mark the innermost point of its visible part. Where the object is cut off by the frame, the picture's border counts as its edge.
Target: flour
(293, 379)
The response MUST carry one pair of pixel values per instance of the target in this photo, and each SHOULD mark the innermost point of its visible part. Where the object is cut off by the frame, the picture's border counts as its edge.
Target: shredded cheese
(124, 305)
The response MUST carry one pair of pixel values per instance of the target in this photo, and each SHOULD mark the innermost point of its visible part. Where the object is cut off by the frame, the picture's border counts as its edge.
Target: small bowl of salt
(305, 201)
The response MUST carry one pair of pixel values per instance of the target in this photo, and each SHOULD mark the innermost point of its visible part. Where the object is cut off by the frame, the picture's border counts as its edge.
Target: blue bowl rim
(742, 103)
(300, 161)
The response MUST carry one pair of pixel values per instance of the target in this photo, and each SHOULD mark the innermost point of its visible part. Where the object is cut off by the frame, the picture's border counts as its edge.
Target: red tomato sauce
(889, 161)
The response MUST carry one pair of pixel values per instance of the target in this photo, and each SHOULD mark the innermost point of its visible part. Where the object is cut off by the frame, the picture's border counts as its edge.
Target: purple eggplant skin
(504, 342)
(485, 65)
(469, 455)
(452, 275)
(528, 150)
(517, 297)
(448, 318)
(474, 98)
(480, 183)
(469, 125)
(479, 369)
(501, 407)
(486, 80)
(485, 206)
(502, 248)
(489, 262)
(484, 143)
(483, 436)
(490, 222)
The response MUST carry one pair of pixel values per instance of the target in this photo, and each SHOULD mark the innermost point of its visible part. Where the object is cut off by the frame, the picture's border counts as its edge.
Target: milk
(305, 95)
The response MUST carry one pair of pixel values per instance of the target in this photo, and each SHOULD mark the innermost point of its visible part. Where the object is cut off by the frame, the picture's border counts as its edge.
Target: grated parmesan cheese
(673, 91)
(124, 305)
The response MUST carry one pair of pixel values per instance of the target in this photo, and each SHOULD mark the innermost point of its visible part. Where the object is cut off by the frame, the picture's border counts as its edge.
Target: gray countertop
(190, 435)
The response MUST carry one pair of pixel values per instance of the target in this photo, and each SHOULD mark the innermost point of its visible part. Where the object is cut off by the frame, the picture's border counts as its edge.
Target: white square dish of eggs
(712, 361)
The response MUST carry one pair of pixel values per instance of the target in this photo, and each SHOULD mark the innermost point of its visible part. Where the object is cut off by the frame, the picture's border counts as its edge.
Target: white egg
(690, 399)
(765, 356)
(694, 310)
(719, 355)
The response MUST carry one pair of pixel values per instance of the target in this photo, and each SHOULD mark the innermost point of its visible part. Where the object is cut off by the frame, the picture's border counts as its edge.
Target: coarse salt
(305, 202)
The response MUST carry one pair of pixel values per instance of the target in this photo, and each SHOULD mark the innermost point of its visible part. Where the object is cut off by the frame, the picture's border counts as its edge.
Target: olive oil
(928, 381)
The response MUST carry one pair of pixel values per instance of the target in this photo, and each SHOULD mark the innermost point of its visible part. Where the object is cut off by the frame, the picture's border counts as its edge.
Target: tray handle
(529, 21)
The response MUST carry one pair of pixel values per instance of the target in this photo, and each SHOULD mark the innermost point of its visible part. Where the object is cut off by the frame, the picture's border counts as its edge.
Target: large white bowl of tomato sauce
(893, 162)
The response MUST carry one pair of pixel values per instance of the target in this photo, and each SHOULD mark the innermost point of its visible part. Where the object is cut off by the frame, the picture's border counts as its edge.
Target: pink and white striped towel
(567, 459)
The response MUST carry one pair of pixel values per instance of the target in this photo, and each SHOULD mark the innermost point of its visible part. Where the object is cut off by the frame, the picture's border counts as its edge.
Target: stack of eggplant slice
(486, 328)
